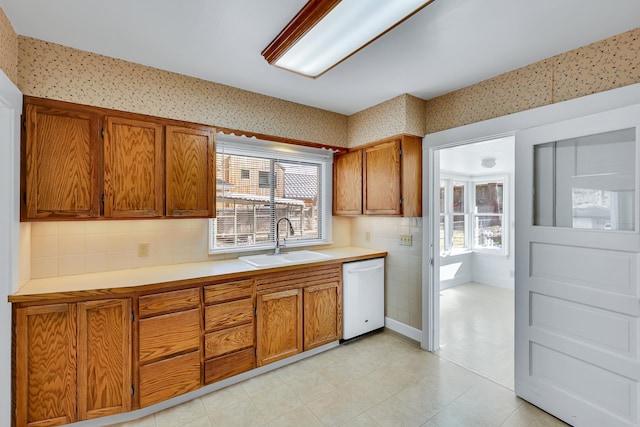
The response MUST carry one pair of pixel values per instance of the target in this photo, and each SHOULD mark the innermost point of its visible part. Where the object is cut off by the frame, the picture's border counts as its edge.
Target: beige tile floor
(380, 380)
(476, 330)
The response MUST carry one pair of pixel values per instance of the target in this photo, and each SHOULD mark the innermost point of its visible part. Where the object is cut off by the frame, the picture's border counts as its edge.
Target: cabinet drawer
(169, 334)
(299, 277)
(228, 314)
(227, 366)
(228, 291)
(169, 378)
(165, 302)
(228, 340)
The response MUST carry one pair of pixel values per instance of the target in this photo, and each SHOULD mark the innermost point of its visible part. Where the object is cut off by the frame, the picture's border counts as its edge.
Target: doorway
(10, 108)
(566, 407)
(474, 256)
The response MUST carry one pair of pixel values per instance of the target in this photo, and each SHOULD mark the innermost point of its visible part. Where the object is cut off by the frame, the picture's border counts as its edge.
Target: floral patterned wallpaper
(601, 66)
(8, 48)
(402, 114)
(53, 71)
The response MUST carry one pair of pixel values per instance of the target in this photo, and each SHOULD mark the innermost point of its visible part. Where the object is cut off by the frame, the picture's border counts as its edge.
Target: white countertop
(168, 273)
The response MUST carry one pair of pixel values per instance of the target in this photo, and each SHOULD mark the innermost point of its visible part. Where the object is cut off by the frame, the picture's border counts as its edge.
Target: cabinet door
(45, 365)
(279, 330)
(104, 358)
(347, 184)
(381, 190)
(61, 162)
(190, 183)
(133, 168)
(322, 314)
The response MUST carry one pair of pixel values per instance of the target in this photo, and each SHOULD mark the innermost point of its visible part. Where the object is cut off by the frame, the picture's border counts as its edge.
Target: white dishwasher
(363, 297)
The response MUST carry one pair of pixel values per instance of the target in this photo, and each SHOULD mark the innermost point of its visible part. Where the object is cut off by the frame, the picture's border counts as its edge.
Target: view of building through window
(254, 192)
(488, 215)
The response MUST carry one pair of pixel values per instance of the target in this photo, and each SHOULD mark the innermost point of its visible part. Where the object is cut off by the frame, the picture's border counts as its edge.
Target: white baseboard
(402, 329)
(498, 281)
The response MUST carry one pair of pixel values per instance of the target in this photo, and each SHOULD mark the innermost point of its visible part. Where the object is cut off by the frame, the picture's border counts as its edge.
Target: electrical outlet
(143, 249)
(406, 239)
(367, 236)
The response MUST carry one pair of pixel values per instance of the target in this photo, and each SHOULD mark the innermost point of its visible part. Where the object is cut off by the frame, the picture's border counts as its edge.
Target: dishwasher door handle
(360, 270)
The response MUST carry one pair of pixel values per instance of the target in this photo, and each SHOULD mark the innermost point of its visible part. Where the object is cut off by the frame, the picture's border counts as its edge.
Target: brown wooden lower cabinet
(104, 358)
(169, 378)
(169, 344)
(304, 314)
(45, 365)
(87, 359)
(73, 361)
(279, 332)
(322, 314)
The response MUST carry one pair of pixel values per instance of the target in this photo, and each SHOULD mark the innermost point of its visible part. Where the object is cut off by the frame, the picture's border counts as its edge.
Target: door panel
(578, 256)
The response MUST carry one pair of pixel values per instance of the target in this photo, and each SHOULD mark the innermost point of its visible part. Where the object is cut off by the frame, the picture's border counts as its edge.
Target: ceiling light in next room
(326, 32)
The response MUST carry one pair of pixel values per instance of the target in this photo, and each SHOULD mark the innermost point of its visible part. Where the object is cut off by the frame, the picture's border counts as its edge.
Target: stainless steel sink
(271, 260)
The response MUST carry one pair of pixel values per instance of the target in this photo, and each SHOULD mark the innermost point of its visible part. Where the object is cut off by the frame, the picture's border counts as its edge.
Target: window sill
(456, 253)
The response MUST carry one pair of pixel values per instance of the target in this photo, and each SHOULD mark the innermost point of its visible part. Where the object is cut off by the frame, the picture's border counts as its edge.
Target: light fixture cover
(488, 162)
(326, 32)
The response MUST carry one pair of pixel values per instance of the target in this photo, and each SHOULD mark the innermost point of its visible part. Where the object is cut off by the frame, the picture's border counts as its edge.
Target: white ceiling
(448, 45)
(466, 160)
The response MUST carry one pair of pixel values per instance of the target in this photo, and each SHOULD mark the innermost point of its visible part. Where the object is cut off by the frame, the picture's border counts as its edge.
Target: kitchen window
(283, 180)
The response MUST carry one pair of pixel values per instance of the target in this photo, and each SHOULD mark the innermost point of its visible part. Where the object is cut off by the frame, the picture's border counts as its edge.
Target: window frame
(449, 214)
(244, 146)
(479, 180)
(470, 213)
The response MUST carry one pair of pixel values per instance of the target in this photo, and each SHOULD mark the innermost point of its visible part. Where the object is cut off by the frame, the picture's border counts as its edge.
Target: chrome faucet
(291, 232)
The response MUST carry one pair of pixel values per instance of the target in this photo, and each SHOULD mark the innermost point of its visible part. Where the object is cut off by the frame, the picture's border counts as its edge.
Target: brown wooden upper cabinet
(143, 167)
(390, 179)
(133, 168)
(347, 184)
(190, 171)
(60, 163)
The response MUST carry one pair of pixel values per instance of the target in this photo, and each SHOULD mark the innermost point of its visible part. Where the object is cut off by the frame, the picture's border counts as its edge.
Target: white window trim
(242, 145)
(449, 179)
(470, 214)
(485, 179)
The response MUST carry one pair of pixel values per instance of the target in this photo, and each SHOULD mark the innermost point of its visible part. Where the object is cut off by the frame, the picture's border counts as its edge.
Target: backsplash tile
(76, 247)
(403, 289)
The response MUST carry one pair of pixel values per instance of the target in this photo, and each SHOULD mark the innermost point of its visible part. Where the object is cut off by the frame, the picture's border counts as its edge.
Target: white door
(577, 268)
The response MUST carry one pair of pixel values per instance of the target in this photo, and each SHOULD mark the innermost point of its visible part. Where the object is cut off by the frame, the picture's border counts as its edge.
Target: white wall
(10, 109)
(456, 270)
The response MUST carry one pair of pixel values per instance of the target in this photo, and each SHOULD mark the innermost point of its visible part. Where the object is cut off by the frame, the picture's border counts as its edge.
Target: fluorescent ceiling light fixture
(326, 32)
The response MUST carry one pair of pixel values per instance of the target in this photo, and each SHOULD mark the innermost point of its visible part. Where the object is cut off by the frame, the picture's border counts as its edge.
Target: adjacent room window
(472, 214)
(259, 182)
(453, 216)
(488, 215)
